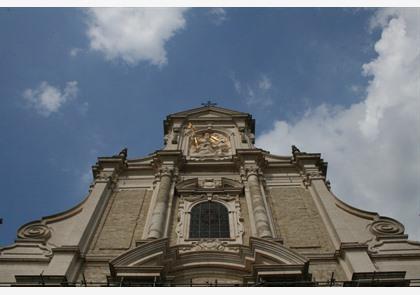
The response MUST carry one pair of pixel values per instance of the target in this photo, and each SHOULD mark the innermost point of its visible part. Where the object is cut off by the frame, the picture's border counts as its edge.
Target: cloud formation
(133, 35)
(75, 51)
(264, 83)
(47, 99)
(255, 93)
(218, 15)
(373, 146)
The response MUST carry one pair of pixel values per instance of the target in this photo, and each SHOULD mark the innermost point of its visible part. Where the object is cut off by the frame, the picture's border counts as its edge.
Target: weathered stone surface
(141, 220)
(95, 273)
(118, 229)
(321, 272)
(298, 221)
(245, 220)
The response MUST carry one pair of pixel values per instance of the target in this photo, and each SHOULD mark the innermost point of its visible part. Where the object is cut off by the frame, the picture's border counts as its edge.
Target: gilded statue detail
(208, 143)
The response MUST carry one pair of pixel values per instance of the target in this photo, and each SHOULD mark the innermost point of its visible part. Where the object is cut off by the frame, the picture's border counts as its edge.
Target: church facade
(211, 209)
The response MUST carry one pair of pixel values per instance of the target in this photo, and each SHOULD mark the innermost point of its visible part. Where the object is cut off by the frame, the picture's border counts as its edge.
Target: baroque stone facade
(210, 208)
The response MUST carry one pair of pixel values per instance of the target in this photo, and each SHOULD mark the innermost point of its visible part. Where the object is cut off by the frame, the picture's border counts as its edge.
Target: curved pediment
(262, 257)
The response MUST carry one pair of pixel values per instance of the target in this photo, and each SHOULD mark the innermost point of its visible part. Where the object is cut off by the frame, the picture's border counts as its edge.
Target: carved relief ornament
(386, 227)
(207, 143)
(35, 231)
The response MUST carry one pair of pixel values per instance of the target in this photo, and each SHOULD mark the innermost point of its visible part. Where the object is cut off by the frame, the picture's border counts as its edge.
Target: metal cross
(209, 104)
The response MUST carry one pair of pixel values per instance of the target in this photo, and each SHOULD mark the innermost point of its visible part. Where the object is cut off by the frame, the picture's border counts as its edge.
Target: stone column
(262, 223)
(158, 219)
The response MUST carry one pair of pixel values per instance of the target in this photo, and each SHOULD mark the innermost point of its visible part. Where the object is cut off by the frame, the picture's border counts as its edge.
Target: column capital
(167, 162)
(252, 170)
(166, 171)
(248, 169)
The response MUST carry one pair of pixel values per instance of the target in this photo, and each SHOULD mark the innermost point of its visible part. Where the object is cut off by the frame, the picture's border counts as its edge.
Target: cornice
(395, 256)
(21, 259)
(66, 249)
(305, 159)
(321, 257)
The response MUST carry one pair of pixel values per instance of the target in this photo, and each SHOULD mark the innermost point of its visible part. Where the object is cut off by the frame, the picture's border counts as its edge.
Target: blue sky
(78, 83)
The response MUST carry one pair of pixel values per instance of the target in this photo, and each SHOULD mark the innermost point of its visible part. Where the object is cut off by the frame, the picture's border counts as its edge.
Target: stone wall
(321, 271)
(123, 221)
(95, 272)
(297, 220)
(141, 220)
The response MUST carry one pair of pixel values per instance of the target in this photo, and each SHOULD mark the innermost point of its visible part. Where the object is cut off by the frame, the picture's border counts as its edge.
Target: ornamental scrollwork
(211, 245)
(226, 198)
(386, 227)
(35, 231)
(180, 220)
(373, 245)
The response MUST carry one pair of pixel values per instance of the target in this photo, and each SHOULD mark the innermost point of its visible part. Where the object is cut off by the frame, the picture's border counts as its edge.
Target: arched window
(209, 220)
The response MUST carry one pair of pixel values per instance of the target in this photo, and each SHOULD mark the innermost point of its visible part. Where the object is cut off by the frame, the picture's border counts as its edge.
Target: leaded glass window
(209, 220)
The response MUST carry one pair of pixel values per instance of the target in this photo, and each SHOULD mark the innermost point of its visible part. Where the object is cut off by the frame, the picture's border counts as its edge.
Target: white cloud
(255, 93)
(355, 88)
(75, 51)
(134, 34)
(372, 147)
(47, 99)
(218, 15)
(264, 83)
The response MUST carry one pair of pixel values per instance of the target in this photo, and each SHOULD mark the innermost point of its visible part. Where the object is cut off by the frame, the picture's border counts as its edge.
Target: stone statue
(123, 153)
(295, 149)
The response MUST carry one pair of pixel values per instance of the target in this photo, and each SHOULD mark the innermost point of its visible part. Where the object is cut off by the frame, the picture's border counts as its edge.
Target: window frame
(222, 216)
(230, 202)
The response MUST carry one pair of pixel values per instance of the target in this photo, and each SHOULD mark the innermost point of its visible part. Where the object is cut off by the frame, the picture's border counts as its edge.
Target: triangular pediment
(208, 111)
(208, 114)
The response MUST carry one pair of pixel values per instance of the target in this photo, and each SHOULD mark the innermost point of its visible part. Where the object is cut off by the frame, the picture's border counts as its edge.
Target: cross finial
(209, 104)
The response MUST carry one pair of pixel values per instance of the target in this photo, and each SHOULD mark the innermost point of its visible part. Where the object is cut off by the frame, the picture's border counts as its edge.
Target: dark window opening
(209, 220)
